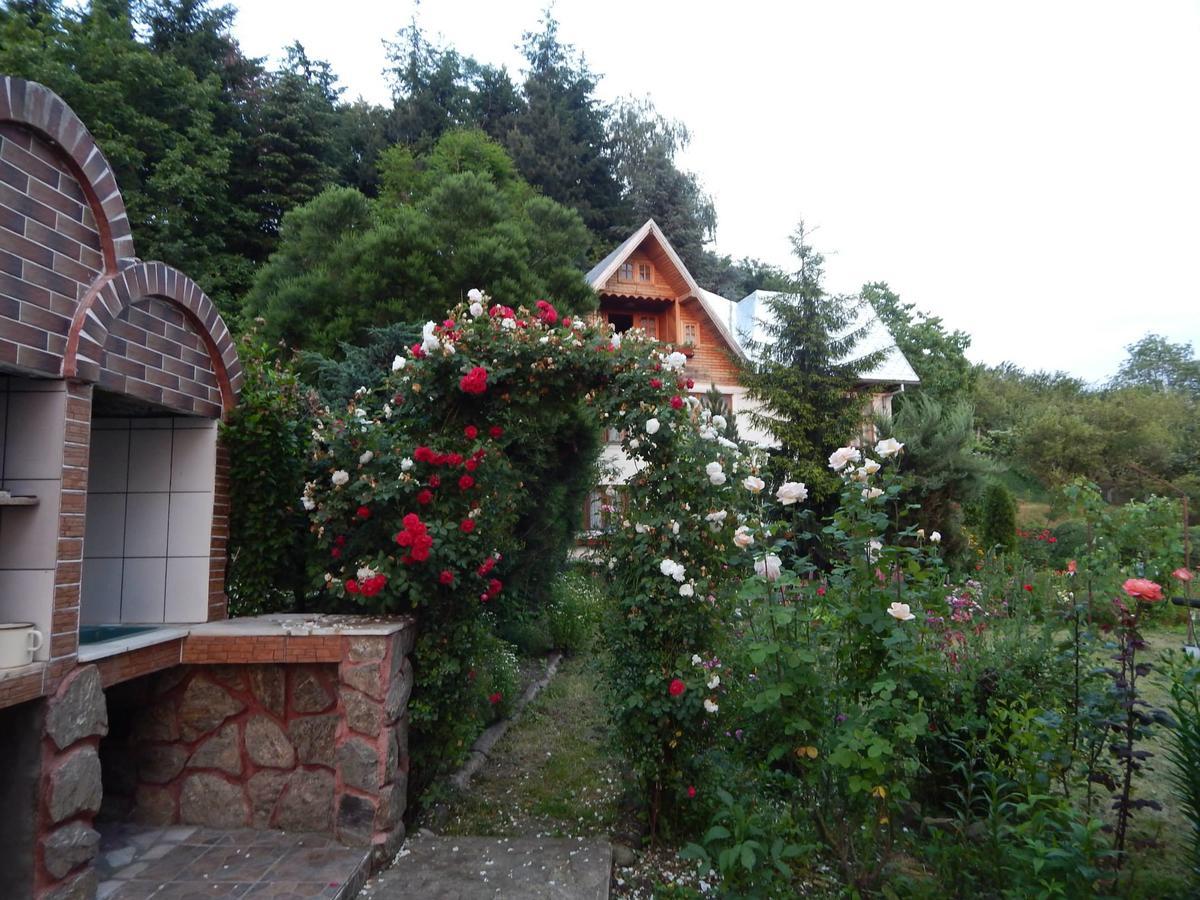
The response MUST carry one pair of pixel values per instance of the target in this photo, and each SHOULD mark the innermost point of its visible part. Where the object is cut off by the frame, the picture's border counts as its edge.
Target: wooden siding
(712, 361)
(666, 284)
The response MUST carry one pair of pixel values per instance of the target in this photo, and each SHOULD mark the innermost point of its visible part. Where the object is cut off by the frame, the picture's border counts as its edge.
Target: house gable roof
(600, 273)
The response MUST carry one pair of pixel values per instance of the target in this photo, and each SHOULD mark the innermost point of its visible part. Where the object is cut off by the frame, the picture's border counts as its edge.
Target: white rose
(869, 466)
(308, 503)
(615, 340)
(387, 410)
(887, 448)
(873, 549)
(367, 456)
(710, 705)
(686, 590)
(476, 310)
(674, 527)
(901, 612)
(716, 518)
(675, 361)
(742, 537)
(791, 492)
(921, 534)
(719, 421)
(871, 493)
(652, 426)
(696, 660)
(405, 464)
(718, 478)
(768, 567)
(508, 324)
(429, 341)
(475, 295)
(634, 443)
(840, 457)
(753, 484)
(935, 537)
(642, 529)
(340, 477)
(714, 682)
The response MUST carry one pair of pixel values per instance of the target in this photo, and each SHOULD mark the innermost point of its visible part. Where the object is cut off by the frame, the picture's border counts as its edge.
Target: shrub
(267, 437)
(999, 526)
(575, 611)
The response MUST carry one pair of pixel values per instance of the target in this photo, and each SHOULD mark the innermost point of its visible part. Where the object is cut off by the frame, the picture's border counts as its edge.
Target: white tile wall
(148, 533)
(32, 423)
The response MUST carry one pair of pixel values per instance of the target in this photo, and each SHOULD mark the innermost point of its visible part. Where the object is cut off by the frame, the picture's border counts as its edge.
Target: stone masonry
(317, 746)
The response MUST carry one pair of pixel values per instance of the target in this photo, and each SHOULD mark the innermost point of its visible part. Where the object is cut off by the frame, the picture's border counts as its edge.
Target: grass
(552, 774)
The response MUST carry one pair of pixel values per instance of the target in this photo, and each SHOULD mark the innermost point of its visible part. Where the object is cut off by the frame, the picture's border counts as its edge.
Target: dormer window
(644, 272)
(626, 272)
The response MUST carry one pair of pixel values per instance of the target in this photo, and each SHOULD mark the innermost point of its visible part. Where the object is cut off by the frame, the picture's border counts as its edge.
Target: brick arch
(38, 108)
(112, 294)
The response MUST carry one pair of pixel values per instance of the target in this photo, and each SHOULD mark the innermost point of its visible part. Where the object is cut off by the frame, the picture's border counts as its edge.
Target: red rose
(471, 464)
(474, 382)
(417, 352)
(471, 432)
(466, 526)
(425, 498)
(470, 675)
(690, 384)
(495, 698)
(486, 566)
(546, 312)
(448, 324)
(676, 402)
(495, 586)
(567, 322)
(336, 552)
(496, 432)
(434, 481)
(340, 540)
(351, 586)
(1028, 587)
(454, 459)
(691, 791)
(466, 482)
(677, 687)
(447, 577)
(423, 454)
(1182, 574)
(821, 591)
(656, 383)
(363, 512)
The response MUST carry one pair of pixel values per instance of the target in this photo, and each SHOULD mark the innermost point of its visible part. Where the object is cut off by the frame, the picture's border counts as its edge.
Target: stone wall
(75, 719)
(301, 747)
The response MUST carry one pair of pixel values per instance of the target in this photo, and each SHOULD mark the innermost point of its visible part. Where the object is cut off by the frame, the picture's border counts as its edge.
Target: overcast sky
(1028, 171)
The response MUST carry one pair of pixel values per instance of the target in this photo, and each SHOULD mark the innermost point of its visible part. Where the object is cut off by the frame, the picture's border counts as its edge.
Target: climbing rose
(710, 705)
(446, 577)
(474, 382)
(471, 432)
(686, 590)
(366, 457)
(425, 498)
(869, 466)
(871, 493)
(753, 483)
(340, 477)
(901, 612)
(691, 791)
(363, 512)
(495, 698)
(742, 537)
(495, 432)
(398, 363)
(1182, 574)
(677, 687)
(1143, 589)
(715, 475)
(466, 526)
(675, 361)
(546, 312)
(935, 537)
(652, 426)
(676, 402)
(791, 492)
(466, 482)
(656, 383)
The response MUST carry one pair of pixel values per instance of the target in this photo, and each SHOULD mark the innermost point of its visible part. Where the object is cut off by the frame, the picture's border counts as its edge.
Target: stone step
(474, 868)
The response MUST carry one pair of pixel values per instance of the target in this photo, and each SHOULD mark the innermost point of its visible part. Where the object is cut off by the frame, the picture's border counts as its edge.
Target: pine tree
(999, 519)
(806, 372)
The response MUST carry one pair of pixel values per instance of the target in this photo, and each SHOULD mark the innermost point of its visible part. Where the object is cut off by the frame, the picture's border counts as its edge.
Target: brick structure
(114, 505)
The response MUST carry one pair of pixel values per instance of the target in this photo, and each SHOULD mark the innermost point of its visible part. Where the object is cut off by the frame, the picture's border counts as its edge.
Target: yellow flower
(879, 791)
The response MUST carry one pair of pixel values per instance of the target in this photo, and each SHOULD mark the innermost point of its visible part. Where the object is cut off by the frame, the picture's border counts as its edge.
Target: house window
(621, 322)
(626, 272)
(649, 324)
(690, 334)
(644, 272)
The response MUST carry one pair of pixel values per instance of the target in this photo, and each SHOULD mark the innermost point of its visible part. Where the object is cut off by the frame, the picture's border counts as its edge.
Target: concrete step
(475, 868)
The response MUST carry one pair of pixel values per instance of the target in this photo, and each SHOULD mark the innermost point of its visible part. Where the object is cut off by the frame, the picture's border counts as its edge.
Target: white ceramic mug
(18, 642)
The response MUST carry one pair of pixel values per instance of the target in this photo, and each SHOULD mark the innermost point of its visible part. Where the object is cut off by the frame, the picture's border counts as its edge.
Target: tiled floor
(182, 863)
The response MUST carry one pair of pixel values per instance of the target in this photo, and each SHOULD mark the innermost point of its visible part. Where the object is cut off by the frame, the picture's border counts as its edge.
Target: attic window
(644, 273)
(691, 335)
(626, 272)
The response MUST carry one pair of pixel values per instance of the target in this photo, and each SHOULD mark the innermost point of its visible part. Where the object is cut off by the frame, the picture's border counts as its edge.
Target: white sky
(1029, 171)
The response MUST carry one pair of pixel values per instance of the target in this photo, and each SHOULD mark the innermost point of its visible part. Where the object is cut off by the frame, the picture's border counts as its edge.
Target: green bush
(575, 611)
(999, 526)
(267, 436)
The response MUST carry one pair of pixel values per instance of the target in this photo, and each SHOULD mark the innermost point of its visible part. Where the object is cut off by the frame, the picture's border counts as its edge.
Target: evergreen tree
(999, 519)
(431, 94)
(805, 374)
(560, 140)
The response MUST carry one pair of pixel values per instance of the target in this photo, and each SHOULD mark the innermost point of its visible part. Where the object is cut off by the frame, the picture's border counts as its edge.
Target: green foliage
(999, 530)
(576, 610)
(444, 223)
(945, 469)
(1158, 364)
(806, 373)
(1183, 748)
(267, 436)
(936, 355)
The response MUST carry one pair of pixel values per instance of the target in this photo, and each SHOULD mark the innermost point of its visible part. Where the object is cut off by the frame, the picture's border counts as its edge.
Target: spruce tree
(805, 373)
